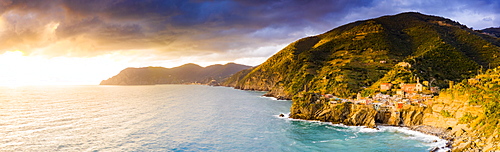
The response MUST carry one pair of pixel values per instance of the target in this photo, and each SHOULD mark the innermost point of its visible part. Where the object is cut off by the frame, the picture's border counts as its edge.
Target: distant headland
(185, 74)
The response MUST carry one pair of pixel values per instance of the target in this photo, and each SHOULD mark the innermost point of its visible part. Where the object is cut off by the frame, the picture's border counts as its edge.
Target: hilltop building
(409, 88)
(385, 86)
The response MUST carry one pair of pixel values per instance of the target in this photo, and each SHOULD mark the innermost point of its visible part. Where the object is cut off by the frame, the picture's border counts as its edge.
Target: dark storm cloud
(213, 26)
(103, 26)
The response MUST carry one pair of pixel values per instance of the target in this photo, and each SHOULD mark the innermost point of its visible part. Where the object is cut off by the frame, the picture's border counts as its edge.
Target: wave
(272, 98)
(429, 140)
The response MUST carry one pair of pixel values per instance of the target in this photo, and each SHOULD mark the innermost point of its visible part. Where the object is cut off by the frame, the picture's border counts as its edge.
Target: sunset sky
(46, 42)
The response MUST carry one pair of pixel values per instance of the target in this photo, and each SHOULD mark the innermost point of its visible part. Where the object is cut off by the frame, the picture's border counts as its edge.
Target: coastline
(438, 132)
(443, 144)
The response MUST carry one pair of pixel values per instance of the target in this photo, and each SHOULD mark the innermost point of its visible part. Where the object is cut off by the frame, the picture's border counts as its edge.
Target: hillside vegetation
(358, 56)
(483, 91)
(471, 110)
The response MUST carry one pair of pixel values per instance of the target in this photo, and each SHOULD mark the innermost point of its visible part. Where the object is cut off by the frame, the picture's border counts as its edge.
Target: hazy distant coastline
(185, 74)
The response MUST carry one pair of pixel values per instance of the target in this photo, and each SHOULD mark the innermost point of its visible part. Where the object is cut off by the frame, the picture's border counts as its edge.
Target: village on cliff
(406, 94)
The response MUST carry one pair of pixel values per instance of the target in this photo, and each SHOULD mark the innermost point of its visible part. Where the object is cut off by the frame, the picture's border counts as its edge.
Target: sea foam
(428, 140)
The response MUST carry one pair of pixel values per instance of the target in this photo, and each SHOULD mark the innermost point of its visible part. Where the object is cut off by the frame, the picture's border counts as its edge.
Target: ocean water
(176, 118)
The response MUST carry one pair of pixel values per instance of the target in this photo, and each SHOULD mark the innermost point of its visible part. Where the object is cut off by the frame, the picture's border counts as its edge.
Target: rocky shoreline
(442, 118)
(365, 115)
(435, 131)
(441, 133)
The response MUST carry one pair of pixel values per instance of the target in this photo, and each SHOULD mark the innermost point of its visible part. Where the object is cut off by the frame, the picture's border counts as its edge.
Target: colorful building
(412, 87)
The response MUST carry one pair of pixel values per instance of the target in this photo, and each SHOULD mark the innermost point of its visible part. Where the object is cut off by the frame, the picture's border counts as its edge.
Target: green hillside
(362, 54)
(480, 119)
(484, 91)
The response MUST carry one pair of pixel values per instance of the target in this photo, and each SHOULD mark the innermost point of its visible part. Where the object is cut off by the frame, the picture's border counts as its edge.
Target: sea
(177, 118)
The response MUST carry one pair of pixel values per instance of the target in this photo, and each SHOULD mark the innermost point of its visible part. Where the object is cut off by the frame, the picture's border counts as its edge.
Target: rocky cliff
(452, 113)
(314, 107)
(188, 73)
(470, 111)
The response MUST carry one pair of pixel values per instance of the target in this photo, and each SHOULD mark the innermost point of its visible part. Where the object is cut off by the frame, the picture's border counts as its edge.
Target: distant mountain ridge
(492, 31)
(185, 74)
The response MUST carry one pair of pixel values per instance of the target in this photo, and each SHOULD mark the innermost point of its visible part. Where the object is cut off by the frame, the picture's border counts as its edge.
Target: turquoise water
(175, 118)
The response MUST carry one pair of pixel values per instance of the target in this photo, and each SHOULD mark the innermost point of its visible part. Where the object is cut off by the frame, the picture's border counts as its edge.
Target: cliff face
(408, 116)
(452, 111)
(347, 113)
(188, 73)
(313, 107)
(471, 112)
